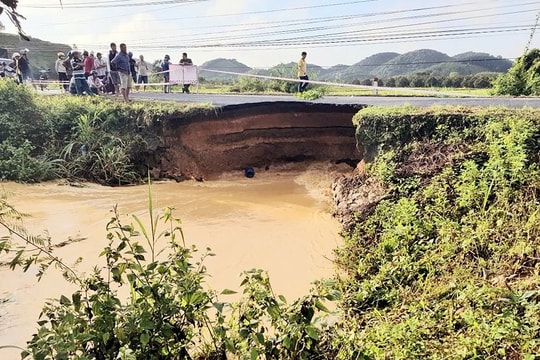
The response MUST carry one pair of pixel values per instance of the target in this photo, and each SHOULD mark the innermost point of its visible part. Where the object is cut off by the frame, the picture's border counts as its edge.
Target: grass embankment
(81, 138)
(446, 264)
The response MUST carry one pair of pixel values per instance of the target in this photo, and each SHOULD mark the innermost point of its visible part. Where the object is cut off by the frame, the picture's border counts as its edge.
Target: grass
(443, 265)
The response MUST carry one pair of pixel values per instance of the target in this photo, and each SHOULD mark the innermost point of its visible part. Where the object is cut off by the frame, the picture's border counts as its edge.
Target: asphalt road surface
(222, 100)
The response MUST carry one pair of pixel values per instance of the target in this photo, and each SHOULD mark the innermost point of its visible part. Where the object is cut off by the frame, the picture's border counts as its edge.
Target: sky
(264, 33)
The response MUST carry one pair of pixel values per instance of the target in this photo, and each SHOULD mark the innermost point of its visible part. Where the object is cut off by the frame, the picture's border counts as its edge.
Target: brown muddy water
(278, 221)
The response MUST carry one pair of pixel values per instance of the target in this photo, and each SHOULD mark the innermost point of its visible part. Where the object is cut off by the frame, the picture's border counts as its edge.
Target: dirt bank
(258, 135)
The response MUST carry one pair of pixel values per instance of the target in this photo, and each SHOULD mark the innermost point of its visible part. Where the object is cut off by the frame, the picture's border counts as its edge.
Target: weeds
(446, 266)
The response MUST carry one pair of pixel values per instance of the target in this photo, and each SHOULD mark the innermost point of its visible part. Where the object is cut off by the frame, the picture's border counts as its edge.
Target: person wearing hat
(61, 71)
(165, 68)
(24, 66)
(15, 65)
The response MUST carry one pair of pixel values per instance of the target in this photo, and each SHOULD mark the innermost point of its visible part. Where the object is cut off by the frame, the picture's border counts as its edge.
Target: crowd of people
(86, 73)
(18, 68)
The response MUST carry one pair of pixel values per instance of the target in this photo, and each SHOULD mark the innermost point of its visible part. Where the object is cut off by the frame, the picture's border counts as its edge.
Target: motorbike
(43, 78)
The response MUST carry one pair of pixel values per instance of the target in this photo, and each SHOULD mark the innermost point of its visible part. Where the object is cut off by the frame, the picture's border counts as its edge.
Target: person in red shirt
(88, 61)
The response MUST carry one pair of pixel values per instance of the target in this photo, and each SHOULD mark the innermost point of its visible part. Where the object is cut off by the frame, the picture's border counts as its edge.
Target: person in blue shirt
(121, 61)
(165, 68)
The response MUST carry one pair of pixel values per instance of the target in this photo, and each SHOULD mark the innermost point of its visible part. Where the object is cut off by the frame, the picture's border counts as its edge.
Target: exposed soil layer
(257, 135)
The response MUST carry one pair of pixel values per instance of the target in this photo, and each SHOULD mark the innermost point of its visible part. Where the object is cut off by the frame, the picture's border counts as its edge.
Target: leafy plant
(312, 94)
(263, 325)
(162, 315)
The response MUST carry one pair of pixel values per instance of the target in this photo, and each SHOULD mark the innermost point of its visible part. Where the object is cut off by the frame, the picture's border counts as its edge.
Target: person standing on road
(16, 57)
(88, 61)
(166, 76)
(185, 61)
(113, 73)
(132, 66)
(302, 73)
(24, 66)
(100, 65)
(61, 71)
(142, 71)
(121, 62)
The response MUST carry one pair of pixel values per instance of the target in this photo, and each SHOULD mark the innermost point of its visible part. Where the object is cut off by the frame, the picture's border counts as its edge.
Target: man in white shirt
(142, 71)
(100, 65)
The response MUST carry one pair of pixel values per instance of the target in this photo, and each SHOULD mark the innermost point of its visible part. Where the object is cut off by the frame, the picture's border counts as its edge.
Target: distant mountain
(453, 68)
(367, 68)
(411, 62)
(226, 65)
(484, 60)
(382, 65)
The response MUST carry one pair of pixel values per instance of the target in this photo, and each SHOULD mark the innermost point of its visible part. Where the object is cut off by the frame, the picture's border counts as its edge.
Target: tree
(522, 78)
(390, 82)
(402, 81)
(10, 8)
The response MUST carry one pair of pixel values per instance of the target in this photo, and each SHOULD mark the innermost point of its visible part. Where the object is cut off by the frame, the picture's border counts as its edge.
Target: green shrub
(446, 267)
(312, 94)
(42, 136)
(522, 78)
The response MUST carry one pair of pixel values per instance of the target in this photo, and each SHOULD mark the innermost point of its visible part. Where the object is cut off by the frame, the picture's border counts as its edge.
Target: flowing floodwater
(277, 221)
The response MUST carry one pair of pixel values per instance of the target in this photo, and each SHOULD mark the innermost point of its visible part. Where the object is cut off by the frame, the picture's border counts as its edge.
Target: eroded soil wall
(257, 135)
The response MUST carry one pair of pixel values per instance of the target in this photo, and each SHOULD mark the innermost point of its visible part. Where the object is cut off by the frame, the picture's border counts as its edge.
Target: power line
(107, 3)
(110, 4)
(324, 31)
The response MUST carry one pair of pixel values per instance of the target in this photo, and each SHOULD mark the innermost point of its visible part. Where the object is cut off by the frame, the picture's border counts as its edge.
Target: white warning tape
(369, 87)
(366, 87)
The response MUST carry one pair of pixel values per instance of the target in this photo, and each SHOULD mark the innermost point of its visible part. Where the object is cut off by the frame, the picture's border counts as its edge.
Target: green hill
(486, 61)
(382, 65)
(368, 67)
(42, 54)
(221, 64)
(411, 62)
(334, 73)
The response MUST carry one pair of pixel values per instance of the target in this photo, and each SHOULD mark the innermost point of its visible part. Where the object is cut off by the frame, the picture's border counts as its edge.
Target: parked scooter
(43, 78)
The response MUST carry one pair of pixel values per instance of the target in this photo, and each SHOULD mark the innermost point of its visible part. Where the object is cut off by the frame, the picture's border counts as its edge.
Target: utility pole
(533, 30)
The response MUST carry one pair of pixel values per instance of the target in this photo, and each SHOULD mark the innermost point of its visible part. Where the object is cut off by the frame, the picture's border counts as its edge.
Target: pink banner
(183, 74)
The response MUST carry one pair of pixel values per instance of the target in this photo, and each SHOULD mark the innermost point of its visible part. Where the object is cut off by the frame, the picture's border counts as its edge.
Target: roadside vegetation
(443, 263)
(79, 138)
(523, 78)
